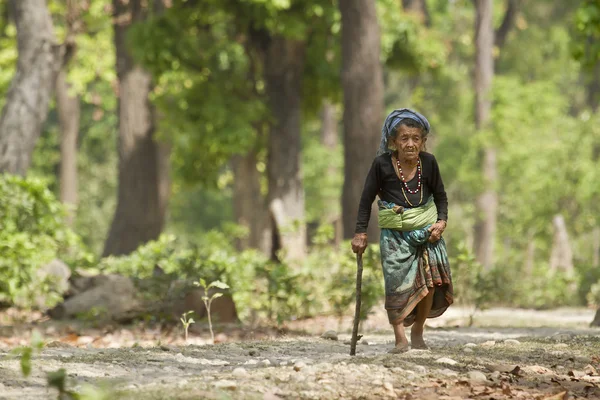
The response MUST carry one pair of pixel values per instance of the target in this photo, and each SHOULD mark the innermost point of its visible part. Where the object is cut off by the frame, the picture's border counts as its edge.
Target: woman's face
(409, 142)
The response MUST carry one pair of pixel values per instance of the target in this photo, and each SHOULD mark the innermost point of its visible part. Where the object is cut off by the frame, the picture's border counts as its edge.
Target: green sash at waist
(409, 220)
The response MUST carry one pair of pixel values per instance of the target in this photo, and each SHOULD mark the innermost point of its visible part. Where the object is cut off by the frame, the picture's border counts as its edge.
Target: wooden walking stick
(359, 271)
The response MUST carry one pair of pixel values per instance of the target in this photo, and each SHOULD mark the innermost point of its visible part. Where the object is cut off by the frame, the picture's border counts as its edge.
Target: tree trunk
(69, 108)
(596, 247)
(510, 15)
(487, 203)
(419, 7)
(529, 263)
(143, 163)
(249, 203)
(284, 67)
(329, 139)
(362, 82)
(561, 257)
(596, 321)
(27, 100)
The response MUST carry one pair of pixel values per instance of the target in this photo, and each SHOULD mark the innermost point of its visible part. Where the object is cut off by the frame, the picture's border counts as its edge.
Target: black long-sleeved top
(382, 180)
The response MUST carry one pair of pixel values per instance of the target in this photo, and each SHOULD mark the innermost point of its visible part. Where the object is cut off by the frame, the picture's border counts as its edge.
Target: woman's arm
(441, 202)
(370, 190)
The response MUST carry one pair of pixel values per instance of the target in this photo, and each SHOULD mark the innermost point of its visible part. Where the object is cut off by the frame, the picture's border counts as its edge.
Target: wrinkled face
(409, 142)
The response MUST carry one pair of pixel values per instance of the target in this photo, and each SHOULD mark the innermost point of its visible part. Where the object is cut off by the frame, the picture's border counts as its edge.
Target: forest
(154, 153)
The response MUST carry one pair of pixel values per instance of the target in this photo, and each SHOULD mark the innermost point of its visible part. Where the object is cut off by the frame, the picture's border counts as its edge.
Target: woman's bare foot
(416, 339)
(400, 348)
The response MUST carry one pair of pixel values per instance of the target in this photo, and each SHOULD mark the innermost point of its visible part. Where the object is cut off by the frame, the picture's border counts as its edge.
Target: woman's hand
(359, 243)
(436, 231)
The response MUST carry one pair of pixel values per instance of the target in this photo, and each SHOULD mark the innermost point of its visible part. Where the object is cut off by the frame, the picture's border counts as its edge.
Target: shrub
(32, 233)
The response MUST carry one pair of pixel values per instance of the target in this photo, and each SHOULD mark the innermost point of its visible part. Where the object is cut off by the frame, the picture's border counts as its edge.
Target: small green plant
(186, 322)
(208, 300)
(27, 352)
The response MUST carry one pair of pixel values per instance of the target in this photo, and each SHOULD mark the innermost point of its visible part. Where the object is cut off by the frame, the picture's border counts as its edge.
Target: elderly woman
(413, 210)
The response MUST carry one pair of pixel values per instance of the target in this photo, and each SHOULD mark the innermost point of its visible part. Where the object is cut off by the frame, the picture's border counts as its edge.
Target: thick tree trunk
(284, 67)
(419, 7)
(27, 100)
(329, 139)
(561, 256)
(596, 247)
(143, 163)
(362, 82)
(249, 203)
(510, 15)
(529, 262)
(487, 203)
(68, 107)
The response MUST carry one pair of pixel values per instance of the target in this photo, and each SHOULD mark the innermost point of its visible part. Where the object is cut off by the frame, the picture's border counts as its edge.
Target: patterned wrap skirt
(412, 266)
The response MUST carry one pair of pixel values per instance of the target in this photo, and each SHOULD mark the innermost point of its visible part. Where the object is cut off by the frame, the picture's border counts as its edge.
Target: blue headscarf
(392, 121)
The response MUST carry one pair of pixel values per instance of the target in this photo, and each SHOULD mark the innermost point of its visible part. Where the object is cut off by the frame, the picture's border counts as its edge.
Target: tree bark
(143, 163)
(510, 15)
(284, 67)
(419, 7)
(487, 203)
(561, 257)
(249, 203)
(27, 100)
(362, 82)
(529, 262)
(329, 139)
(69, 111)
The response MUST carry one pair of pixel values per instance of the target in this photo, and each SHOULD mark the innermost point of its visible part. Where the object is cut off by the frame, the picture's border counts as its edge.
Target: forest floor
(506, 354)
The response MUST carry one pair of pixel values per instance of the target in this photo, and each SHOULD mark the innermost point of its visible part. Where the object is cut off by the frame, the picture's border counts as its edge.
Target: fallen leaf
(590, 370)
(576, 374)
(558, 396)
(506, 389)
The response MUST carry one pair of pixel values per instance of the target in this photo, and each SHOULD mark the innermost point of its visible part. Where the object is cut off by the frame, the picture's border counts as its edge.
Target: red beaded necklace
(404, 180)
(405, 185)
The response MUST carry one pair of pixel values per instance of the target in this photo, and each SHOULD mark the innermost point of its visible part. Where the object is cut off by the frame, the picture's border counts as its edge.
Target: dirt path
(531, 361)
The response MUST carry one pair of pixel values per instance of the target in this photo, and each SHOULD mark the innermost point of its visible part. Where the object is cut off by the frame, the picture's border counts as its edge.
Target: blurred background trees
(257, 121)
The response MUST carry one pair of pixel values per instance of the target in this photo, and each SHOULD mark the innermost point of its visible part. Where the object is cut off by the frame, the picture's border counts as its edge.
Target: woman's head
(402, 125)
(408, 138)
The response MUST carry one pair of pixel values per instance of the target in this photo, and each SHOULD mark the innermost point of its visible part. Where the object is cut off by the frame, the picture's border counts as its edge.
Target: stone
(239, 372)
(56, 273)
(489, 343)
(468, 350)
(114, 295)
(389, 388)
(330, 335)
(420, 369)
(512, 342)
(225, 384)
(449, 373)
(562, 346)
(446, 360)
(476, 376)
(501, 367)
(266, 363)
(495, 375)
(562, 336)
(470, 345)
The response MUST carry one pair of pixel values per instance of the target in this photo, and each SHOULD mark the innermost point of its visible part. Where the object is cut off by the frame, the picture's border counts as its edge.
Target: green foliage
(25, 353)
(186, 322)
(586, 44)
(32, 233)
